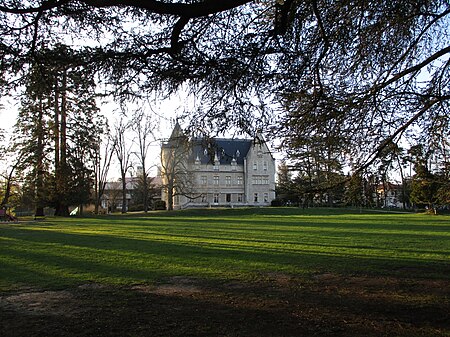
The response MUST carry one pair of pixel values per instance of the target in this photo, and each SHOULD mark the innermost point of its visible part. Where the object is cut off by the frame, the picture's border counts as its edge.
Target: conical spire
(177, 131)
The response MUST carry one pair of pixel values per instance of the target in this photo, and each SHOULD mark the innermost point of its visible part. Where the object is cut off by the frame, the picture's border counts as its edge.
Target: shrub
(277, 203)
(159, 205)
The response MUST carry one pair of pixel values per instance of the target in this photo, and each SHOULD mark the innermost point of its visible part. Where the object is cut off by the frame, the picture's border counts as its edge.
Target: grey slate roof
(226, 149)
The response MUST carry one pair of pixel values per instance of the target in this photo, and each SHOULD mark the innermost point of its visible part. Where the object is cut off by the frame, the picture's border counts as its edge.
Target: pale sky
(164, 112)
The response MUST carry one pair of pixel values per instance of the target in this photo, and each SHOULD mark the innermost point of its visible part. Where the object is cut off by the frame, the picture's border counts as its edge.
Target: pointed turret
(177, 131)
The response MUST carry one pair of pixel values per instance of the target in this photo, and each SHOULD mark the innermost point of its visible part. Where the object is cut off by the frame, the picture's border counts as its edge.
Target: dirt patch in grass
(43, 303)
(274, 305)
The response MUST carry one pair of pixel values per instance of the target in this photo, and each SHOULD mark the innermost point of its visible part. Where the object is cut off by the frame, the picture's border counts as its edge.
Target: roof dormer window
(233, 164)
(216, 162)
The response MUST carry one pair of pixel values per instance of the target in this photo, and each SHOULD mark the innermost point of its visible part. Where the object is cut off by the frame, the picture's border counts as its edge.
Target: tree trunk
(40, 163)
(56, 129)
(170, 197)
(124, 193)
(62, 209)
(7, 191)
(9, 183)
(145, 183)
(96, 175)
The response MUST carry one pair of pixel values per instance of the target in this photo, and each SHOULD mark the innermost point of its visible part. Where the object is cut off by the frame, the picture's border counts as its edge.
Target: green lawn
(227, 244)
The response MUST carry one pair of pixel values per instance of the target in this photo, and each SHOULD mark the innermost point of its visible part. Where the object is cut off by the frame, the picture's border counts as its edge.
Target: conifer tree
(57, 130)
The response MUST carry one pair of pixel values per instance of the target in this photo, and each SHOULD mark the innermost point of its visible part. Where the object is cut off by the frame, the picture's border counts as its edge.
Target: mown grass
(227, 244)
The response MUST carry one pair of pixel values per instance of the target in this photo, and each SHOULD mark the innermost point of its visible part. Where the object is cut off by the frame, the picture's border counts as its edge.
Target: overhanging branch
(191, 10)
(46, 5)
(413, 69)
(375, 154)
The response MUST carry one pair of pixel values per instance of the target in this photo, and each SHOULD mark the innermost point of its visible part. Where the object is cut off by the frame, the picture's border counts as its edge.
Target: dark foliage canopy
(368, 71)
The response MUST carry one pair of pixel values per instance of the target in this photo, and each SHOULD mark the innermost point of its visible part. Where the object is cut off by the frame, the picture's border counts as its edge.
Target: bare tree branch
(189, 10)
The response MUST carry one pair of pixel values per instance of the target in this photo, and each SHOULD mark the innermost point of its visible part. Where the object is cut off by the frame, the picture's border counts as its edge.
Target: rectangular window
(255, 165)
(259, 180)
(204, 180)
(228, 180)
(265, 165)
(239, 180)
(216, 180)
(266, 180)
(228, 196)
(255, 197)
(204, 198)
(216, 198)
(266, 197)
(240, 197)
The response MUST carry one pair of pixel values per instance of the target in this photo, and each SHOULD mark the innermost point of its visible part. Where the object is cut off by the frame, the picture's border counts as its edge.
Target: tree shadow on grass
(48, 258)
(328, 306)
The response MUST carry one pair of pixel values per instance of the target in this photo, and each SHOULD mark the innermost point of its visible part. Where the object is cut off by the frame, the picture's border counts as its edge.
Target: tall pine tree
(58, 127)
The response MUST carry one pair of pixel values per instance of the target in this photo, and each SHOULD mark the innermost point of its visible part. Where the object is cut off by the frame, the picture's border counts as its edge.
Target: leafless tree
(144, 127)
(102, 162)
(123, 150)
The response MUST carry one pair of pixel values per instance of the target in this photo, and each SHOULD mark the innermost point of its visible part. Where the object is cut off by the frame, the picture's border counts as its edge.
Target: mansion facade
(216, 172)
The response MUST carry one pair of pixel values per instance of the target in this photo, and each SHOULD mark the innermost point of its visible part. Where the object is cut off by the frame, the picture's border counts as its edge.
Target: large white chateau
(216, 172)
